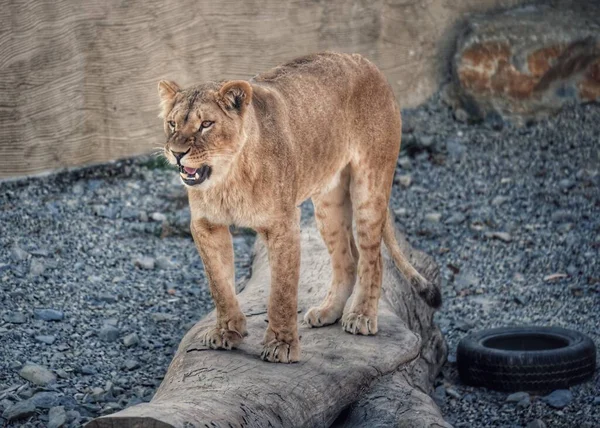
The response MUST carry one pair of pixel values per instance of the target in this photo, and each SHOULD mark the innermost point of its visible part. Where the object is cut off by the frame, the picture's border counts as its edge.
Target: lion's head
(204, 127)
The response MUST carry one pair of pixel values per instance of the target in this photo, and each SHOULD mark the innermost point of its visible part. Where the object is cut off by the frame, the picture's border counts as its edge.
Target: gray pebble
(562, 216)
(36, 268)
(132, 364)
(108, 333)
(455, 148)
(433, 217)
(88, 370)
(451, 392)
(536, 423)
(165, 263)
(456, 218)
(144, 262)
(161, 316)
(47, 339)
(404, 162)
(404, 180)
(15, 317)
(516, 397)
(20, 410)
(57, 417)
(18, 254)
(48, 314)
(461, 115)
(502, 236)
(131, 340)
(45, 399)
(130, 214)
(559, 398)
(40, 252)
(499, 200)
(158, 217)
(37, 374)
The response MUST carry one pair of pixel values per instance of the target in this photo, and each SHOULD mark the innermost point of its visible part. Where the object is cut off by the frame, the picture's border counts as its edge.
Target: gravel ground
(100, 279)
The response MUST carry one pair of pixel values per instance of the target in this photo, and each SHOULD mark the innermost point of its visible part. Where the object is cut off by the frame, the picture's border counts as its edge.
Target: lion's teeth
(197, 176)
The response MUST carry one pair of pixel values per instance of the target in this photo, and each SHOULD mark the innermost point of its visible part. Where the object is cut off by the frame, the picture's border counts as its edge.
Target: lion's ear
(236, 95)
(167, 91)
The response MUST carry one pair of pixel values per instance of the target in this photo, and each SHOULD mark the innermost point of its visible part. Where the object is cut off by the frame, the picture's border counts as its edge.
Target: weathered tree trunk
(342, 379)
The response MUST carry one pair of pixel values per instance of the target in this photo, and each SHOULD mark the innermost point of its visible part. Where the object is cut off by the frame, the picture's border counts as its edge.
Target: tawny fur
(325, 126)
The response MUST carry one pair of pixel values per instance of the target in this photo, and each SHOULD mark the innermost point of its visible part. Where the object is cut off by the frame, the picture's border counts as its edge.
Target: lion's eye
(171, 125)
(206, 124)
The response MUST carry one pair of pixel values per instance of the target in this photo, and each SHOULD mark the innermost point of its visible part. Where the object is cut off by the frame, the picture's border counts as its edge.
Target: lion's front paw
(356, 323)
(320, 316)
(221, 338)
(277, 351)
(280, 347)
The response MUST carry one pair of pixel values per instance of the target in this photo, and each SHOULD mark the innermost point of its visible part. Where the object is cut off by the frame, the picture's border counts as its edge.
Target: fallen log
(341, 380)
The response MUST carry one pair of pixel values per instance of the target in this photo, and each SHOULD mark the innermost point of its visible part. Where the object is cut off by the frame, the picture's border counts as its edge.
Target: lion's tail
(428, 291)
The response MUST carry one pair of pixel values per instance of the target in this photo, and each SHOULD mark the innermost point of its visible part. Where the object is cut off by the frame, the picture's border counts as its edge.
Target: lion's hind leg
(333, 213)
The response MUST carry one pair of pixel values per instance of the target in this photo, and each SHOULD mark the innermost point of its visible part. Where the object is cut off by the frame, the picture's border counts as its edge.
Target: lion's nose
(179, 155)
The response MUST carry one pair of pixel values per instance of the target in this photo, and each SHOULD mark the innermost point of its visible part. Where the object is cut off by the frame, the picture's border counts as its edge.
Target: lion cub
(324, 126)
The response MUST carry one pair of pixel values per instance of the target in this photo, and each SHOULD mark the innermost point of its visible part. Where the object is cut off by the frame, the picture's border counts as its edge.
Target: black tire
(535, 359)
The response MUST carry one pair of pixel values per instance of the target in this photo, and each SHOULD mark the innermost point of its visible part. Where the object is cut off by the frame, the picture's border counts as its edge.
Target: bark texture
(78, 78)
(342, 379)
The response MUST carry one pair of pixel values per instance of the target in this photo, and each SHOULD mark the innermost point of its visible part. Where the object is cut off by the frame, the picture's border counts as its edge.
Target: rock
(57, 417)
(131, 340)
(37, 374)
(105, 212)
(18, 254)
(524, 403)
(460, 115)
(131, 364)
(404, 180)
(401, 212)
(566, 184)
(165, 263)
(404, 162)
(502, 236)
(516, 397)
(440, 393)
(40, 252)
(464, 325)
(47, 339)
(562, 216)
(97, 394)
(144, 262)
(108, 333)
(455, 148)
(161, 316)
(130, 214)
(20, 410)
(465, 279)
(48, 314)
(559, 398)
(499, 200)
(451, 392)
(433, 217)
(36, 268)
(525, 63)
(158, 217)
(425, 141)
(88, 370)
(536, 423)
(15, 317)
(456, 218)
(45, 399)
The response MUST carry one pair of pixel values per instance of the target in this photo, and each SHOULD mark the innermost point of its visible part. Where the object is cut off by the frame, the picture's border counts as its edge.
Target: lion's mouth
(194, 176)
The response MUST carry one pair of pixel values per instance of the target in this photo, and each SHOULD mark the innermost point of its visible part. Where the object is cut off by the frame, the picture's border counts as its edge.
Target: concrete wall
(78, 78)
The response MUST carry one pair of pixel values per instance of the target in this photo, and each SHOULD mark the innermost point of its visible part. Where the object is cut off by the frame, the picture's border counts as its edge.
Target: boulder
(527, 63)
